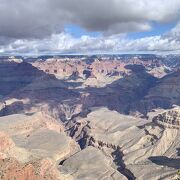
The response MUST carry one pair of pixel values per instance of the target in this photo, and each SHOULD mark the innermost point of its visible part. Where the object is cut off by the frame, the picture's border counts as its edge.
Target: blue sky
(156, 30)
(77, 31)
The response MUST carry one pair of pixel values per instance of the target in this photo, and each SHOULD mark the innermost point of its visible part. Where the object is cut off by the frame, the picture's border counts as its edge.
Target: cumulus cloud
(66, 43)
(22, 19)
(174, 33)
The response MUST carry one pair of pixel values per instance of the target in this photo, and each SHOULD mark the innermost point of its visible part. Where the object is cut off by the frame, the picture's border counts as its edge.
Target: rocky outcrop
(35, 136)
(5, 143)
(129, 141)
(22, 81)
(90, 163)
(15, 76)
(97, 73)
(164, 94)
(169, 118)
(24, 124)
(124, 94)
(61, 68)
(44, 169)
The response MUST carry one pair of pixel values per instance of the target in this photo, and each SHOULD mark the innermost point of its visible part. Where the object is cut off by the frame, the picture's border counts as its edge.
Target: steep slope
(14, 76)
(90, 163)
(137, 147)
(164, 94)
(23, 76)
(122, 94)
(27, 87)
(31, 147)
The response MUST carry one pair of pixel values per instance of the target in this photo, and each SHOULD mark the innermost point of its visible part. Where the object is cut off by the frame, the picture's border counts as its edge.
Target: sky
(89, 26)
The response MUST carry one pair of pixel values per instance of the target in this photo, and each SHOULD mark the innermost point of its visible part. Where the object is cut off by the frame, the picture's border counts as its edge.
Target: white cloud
(174, 33)
(66, 43)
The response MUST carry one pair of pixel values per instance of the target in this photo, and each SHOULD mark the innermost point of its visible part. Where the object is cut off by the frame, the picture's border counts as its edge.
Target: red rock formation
(65, 68)
(5, 142)
(41, 170)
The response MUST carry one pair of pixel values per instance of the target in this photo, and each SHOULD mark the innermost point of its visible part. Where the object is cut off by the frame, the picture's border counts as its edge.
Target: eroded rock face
(48, 113)
(15, 76)
(124, 94)
(133, 143)
(47, 143)
(24, 124)
(61, 68)
(90, 163)
(164, 94)
(126, 85)
(66, 67)
(38, 170)
(11, 169)
(97, 73)
(34, 145)
(5, 142)
(31, 131)
(169, 118)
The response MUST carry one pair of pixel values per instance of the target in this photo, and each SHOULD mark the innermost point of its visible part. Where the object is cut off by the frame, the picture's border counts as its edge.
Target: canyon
(88, 118)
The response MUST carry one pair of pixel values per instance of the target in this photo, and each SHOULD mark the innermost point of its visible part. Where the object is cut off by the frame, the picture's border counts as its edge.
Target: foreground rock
(91, 163)
(138, 147)
(31, 147)
(39, 170)
(40, 136)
